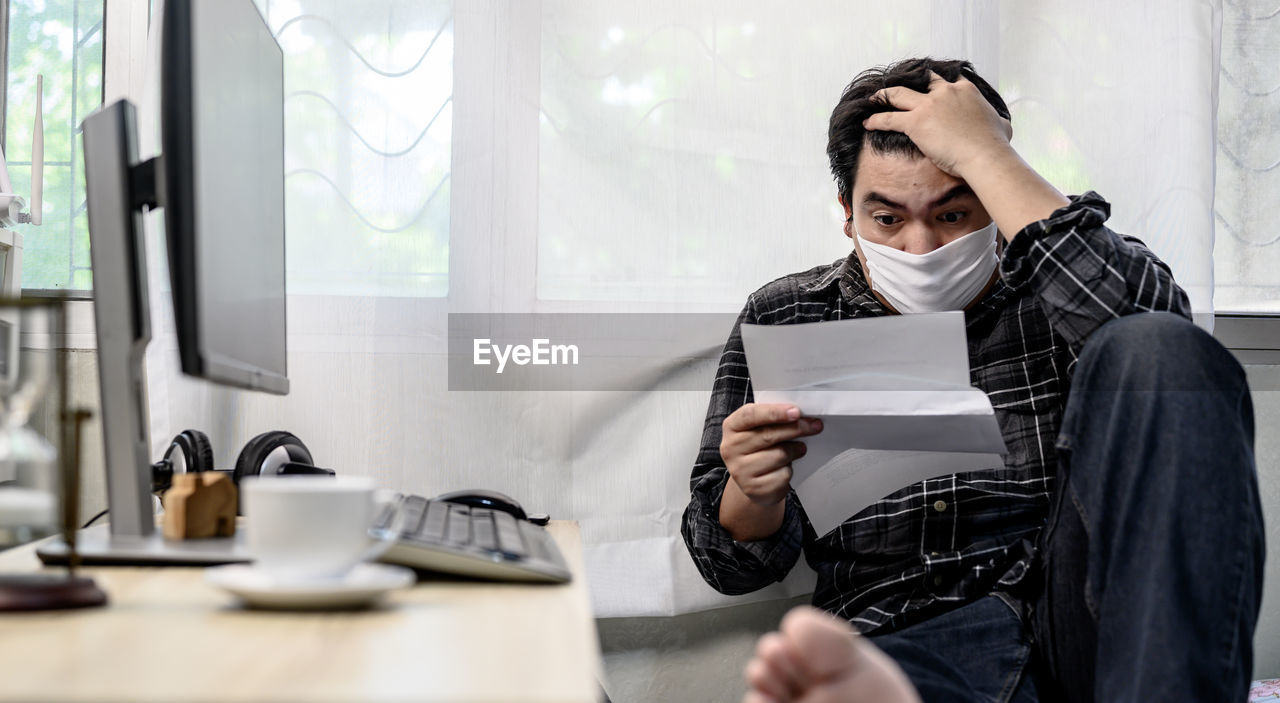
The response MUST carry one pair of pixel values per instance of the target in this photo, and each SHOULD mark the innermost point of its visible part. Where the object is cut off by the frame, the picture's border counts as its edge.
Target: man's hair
(846, 135)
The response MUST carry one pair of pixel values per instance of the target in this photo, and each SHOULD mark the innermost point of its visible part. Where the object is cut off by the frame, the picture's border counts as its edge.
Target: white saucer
(361, 586)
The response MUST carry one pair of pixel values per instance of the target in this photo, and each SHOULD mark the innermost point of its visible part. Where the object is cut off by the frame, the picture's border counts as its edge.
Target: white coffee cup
(309, 528)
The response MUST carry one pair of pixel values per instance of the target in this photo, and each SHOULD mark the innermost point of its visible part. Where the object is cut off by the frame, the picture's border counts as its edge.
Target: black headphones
(274, 453)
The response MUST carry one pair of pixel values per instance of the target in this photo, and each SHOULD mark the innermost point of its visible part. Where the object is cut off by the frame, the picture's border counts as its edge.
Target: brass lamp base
(22, 592)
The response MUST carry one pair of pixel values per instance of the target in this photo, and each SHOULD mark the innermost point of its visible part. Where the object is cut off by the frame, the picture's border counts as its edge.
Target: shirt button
(937, 580)
(940, 505)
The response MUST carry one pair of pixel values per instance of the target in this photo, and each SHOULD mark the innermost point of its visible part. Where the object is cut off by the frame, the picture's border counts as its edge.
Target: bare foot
(817, 658)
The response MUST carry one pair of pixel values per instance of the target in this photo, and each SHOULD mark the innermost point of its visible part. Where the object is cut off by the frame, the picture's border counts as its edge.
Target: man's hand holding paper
(893, 394)
(758, 448)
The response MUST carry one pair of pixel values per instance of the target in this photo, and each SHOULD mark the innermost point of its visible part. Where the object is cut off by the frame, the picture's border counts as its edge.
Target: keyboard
(476, 542)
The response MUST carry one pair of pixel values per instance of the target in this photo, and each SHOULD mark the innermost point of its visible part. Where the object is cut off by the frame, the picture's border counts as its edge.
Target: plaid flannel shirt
(948, 540)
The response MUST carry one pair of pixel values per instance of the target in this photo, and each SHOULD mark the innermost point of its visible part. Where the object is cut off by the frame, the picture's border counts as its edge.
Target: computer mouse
(482, 498)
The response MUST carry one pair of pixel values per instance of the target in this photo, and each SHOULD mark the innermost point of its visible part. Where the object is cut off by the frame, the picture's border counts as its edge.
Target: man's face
(909, 204)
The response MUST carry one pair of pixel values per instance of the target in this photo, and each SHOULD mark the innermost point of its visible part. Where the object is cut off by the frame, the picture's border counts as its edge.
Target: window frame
(74, 294)
(124, 37)
(1254, 338)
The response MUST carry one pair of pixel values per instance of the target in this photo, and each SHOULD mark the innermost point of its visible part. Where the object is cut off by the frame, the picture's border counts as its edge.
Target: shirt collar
(846, 279)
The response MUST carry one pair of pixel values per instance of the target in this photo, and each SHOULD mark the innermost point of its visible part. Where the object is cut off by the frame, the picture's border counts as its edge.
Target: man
(1117, 554)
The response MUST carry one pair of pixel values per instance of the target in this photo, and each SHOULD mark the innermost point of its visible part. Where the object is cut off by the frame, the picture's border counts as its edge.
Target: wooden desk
(167, 636)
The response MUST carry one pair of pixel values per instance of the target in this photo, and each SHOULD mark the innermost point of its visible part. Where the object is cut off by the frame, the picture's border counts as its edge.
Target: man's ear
(848, 217)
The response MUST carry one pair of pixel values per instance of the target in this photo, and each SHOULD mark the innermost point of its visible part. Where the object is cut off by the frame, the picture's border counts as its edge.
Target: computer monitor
(220, 181)
(222, 133)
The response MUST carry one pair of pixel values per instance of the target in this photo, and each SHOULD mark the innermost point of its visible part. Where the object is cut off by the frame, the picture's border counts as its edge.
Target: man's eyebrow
(960, 191)
(874, 197)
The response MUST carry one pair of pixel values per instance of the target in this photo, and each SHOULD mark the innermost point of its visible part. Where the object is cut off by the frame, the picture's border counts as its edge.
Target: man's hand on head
(952, 124)
(962, 134)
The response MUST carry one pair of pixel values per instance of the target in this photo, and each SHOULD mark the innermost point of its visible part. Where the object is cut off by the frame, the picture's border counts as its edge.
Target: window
(1246, 249)
(368, 130)
(682, 147)
(678, 145)
(62, 39)
(1247, 202)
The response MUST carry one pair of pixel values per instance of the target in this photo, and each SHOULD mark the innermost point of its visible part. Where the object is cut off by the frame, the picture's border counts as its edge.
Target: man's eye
(885, 220)
(951, 218)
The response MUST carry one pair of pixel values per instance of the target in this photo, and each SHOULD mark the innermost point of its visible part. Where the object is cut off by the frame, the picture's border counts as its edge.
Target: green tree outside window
(62, 39)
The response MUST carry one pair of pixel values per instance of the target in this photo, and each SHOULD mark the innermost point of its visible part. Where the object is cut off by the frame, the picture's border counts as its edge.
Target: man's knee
(1159, 351)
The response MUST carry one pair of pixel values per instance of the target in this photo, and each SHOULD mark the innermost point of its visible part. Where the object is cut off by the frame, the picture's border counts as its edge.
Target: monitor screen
(222, 134)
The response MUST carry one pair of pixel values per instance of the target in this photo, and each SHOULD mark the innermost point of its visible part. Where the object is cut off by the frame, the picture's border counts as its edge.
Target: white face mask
(947, 278)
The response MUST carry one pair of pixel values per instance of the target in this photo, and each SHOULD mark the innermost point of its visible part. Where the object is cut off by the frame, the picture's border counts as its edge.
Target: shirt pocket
(1028, 385)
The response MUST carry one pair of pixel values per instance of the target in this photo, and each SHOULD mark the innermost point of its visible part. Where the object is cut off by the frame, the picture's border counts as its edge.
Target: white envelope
(894, 397)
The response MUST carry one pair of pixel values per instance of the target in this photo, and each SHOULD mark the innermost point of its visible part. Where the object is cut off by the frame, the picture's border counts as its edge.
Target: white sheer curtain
(1247, 208)
(623, 156)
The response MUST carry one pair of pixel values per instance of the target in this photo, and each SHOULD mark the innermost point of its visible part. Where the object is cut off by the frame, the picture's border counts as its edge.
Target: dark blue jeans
(1152, 560)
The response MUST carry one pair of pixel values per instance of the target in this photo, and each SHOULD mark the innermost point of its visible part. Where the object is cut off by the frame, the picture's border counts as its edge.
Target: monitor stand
(97, 546)
(117, 189)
